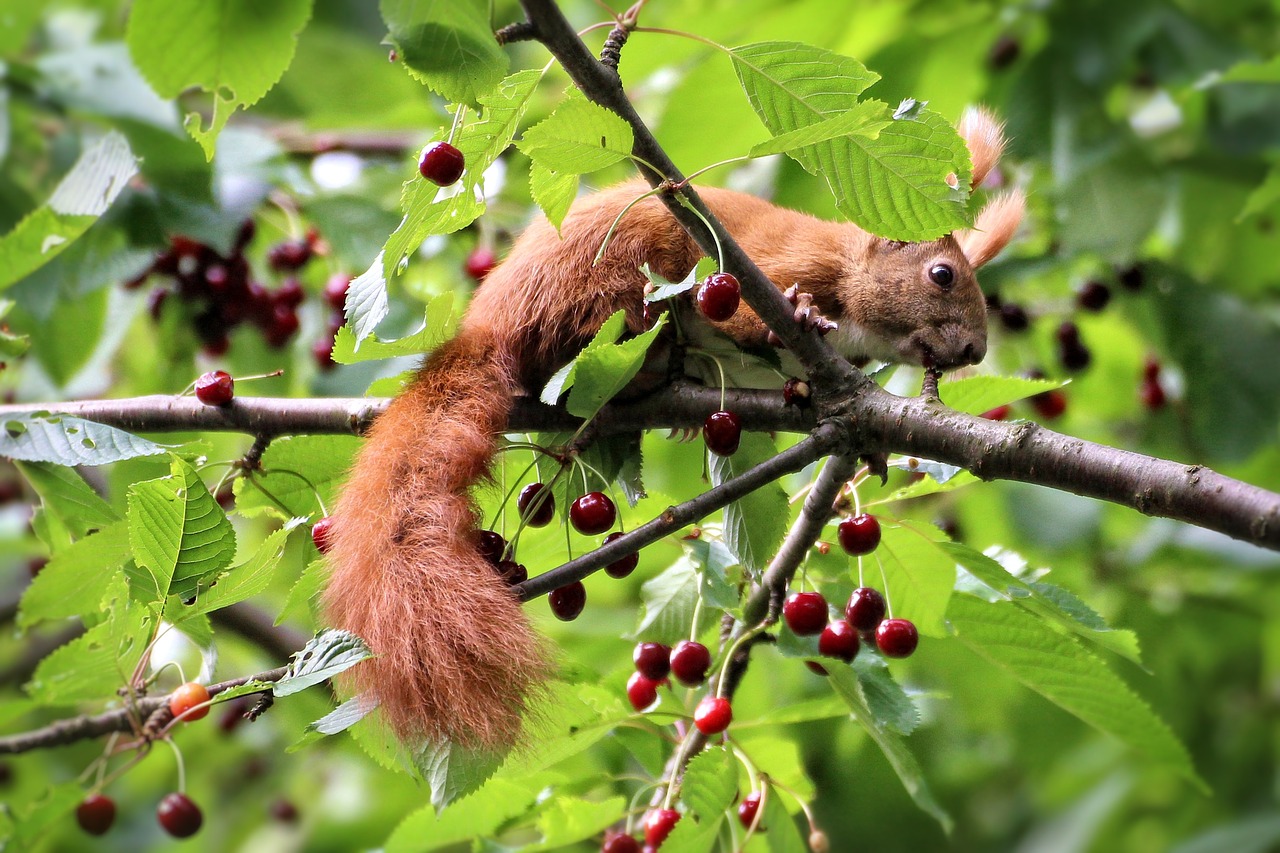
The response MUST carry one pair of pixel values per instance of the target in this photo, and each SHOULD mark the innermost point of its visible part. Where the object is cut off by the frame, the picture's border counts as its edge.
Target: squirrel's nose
(959, 346)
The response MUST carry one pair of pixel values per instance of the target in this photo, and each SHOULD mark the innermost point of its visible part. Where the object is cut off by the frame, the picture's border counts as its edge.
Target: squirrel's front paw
(806, 314)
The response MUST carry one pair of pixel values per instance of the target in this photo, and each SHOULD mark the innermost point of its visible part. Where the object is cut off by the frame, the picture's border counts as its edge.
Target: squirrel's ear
(993, 229)
(985, 138)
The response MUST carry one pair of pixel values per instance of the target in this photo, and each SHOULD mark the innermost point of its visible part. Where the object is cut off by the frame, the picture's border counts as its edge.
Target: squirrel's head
(924, 305)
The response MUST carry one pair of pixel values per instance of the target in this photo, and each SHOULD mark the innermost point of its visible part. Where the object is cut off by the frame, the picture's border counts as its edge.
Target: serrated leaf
(1059, 668)
(847, 687)
(294, 470)
(710, 783)
(304, 592)
(690, 836)
(479, 814)
(603, 371)
(918, 576)
(454, 771)
(436, 326)
(826, 708)
(65, 440)
(249, 688)
(866, 118)
(74, 580)
(669, 600)
(178, 532)
(30, 825)
(568, 820)
(234, 49)
(83, 195)
(323, 657)
(886, 699)
(447, 44)
(755, 525)
(344, 716)
(64, 492)
(976, 395)
(553, 191)
(779, 827)
(578, 138)
(243, 581)
(564, 378)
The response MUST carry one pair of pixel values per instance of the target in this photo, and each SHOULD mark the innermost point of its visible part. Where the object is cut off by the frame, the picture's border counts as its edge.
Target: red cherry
(441, 163)
(653, 660)
(492, 546)
(290, 293)
(1151, 369)
(535, 512)
(335, 290)
(839, 640)
(866, 608)
(480, 262)
(796, 392)
(244, 236)
(567, 601)
(618, 842)
(593, 513)
(1050, 404)
(289, 255)
(96, 813)
(722, 431)
(658, 825)
(805, 612)
(718, 297)
(622, 567)
(282, 326)
(642, 692)
(713, 715)
(999, 413)
(1014, 317)
(748, 808)
(1094, 296)
(180, 817)
(320, 534)
(897, 638)
(215, 388)
(188, 696)
(284, 811)
(860, 534)
(322, 352)
(690, 661)
(1152, 394)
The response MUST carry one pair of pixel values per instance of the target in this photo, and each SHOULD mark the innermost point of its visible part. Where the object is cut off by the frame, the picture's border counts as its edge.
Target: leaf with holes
(65, 440)
(323, 657)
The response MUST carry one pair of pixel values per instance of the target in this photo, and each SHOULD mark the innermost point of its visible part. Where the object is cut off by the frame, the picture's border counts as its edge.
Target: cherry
(1094, 296)
(441, 164)
(282, 325)
(690, 661)
(805, 612)
(480, 263)
(593, 513)
(713, 715)
(839, 640)
(622, 567)
(1152, 394)
(859, 534)
(796, 392)
(1133, 278)
(642, 691)
(567, 601)
(244, 236)
(1050, 404)
(188, 696)
(535, 512)
(512, 572)
(722, 431)
(322, 352)
(658, 825)
(335, 290)
(320, 534)
(96, 813)
(619, 842)
(290, 293)
(289, 255)
(748, 808)
(1004, 52)
(866, 608)
(1014, 317)
(1072, 352)
(999, 413)
(897, 638)
(718, 297)
(284, 811)
(215, 388)
(492, 546)
(653, 660)
(180, 817)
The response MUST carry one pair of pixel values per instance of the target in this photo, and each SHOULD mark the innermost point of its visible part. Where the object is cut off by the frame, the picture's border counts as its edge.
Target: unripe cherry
(188, 696)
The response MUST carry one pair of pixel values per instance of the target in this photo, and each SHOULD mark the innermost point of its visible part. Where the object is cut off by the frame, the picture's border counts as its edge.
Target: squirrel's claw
(806, 315)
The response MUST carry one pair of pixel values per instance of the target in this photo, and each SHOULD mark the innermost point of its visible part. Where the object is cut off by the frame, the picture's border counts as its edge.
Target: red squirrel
(455, 657)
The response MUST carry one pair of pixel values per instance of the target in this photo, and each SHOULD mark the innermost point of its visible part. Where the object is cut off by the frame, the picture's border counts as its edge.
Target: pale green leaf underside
(322, 658)
(65, 440)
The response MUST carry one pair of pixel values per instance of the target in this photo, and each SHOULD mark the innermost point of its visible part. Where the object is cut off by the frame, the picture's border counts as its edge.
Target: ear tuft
(994, 227)
(985, 138)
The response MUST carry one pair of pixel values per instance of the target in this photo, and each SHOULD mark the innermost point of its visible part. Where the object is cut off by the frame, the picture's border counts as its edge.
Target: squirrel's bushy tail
(455, 656)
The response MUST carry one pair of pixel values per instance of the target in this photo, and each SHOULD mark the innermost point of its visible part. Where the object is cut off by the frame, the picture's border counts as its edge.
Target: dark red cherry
(215, 388)
(866, 608)
(320, 534)
(718, 297)
(816, 668)
(859, 534)
(999, 413)
(642, 691)
(622, 567)
(593, 513)
(713, 715)
(335, 290)
(658, 825)
(284, 811)
(619, 842)
(805, 613)
(289, 255)
(1133, 278)
(480, 262)
(1094, 296)
(282, 325)
(96, 813)
(1050, 404)
(441, 163)
(492, 546)
(567, 601)
(839, 640)
(722, 432)
(1014, 317)
(290, 293)
(537, 509)
(690, 661)
(512, 572)
(897, 638)
(653, 660)
(748, 809)
(322, 352)
(179, 817)
(1152, 394)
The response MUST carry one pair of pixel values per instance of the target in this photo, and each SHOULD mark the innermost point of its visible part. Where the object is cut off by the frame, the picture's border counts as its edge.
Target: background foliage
(1148, 136)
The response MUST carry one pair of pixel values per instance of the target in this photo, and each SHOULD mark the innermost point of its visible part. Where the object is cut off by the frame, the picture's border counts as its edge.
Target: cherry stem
(604, 245)
(884, 579)
(457, 122)
(728, 162)
(745, 637)
(687, 205)
(292, 473)
(182, 769)
(273, 374)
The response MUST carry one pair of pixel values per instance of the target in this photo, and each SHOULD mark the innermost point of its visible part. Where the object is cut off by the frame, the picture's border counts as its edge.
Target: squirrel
(454, 656)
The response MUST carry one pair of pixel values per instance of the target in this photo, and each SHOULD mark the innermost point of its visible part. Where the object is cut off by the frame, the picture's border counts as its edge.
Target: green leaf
(64, 493)
(927, 486)
(1267, 194)
(83, 195)
(477, 815)
(1059, 668)
(178, 532)
(294, 470)
(848, 688)
(976, 395)
(918, 575)
(343, 717)
(11, 345)
(234, 49)
(55, 808)
(602, 371)
(436, 326)
(322, 658)
(578, 138)
(65, 440)
(669, 601)
(690, 836)
(74, 580)
(447, 44)
(304, 592)
(454, 771)
(755, 525)
(564, 378)
(243, 581)
(567, 820)
(1253, 834)
(779, 826)
(866, 118)
(885, 698)
(553, 191)
(710, 783)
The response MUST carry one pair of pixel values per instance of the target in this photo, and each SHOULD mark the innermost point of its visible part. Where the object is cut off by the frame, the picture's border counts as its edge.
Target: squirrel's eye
(942, 275)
